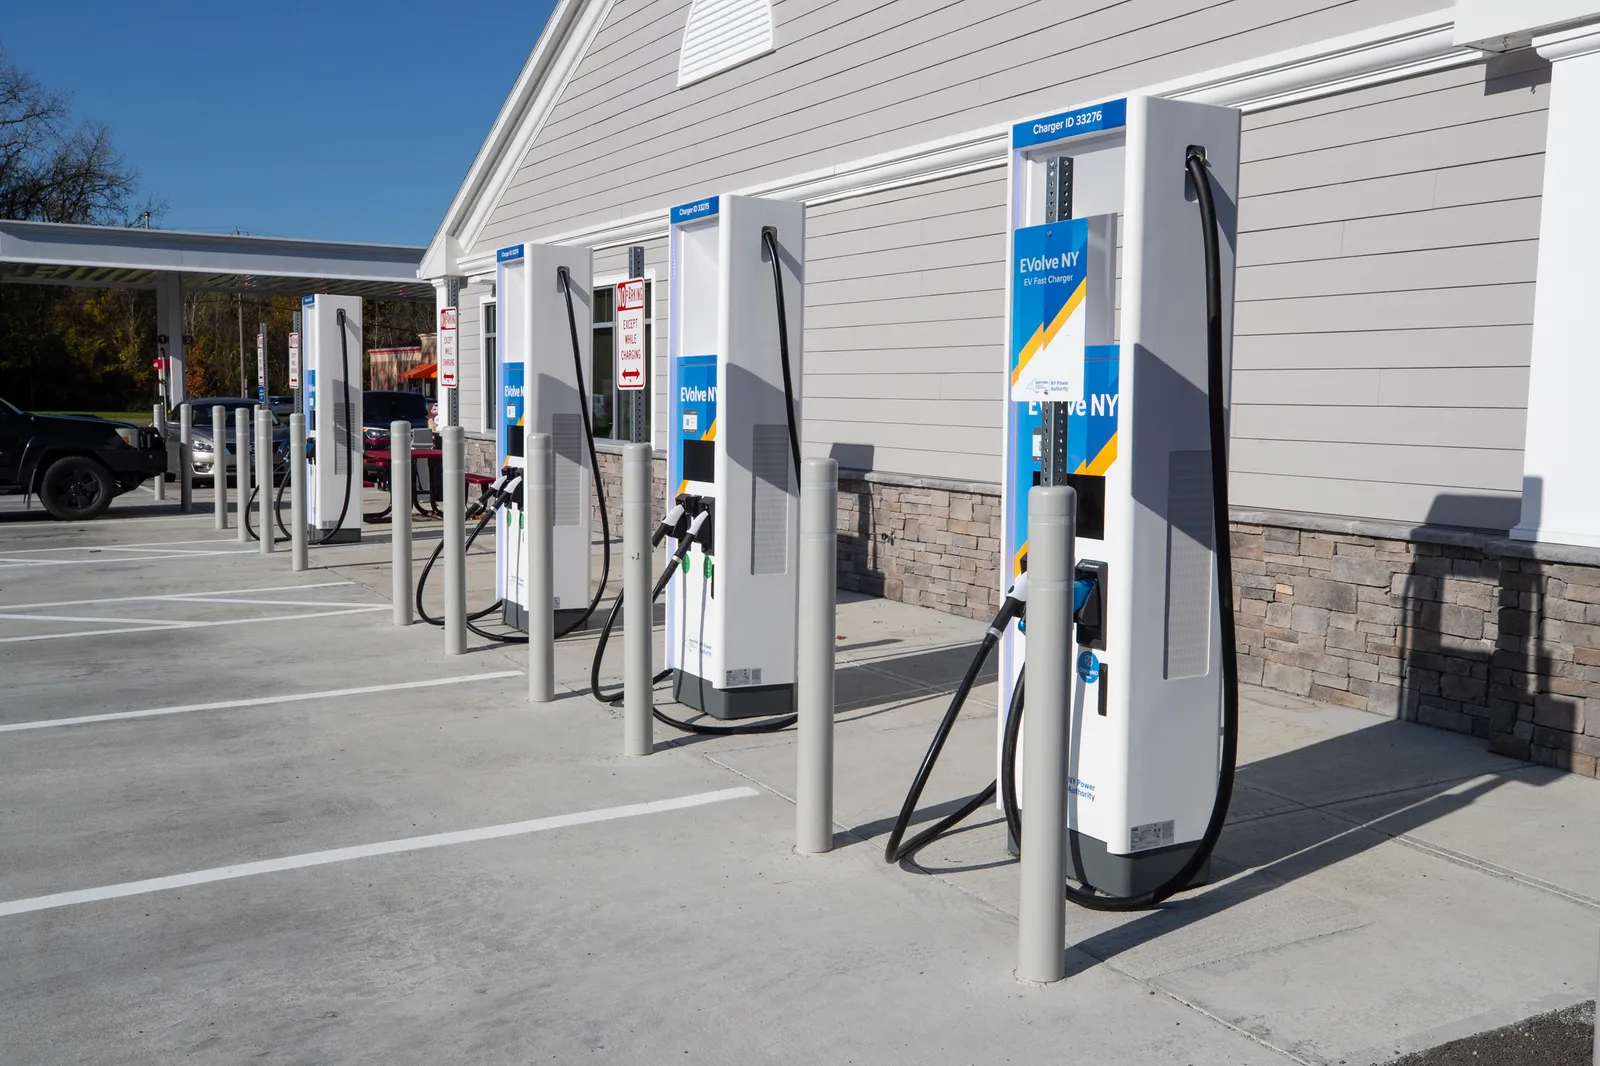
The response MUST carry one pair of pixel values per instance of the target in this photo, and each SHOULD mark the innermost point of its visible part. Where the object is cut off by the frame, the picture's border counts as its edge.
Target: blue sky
(340, 120)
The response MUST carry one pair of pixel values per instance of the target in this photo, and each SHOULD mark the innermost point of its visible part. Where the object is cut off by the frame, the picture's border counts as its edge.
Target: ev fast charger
(539, 393)
(333, 415)
(731, 608)
(1115, 406)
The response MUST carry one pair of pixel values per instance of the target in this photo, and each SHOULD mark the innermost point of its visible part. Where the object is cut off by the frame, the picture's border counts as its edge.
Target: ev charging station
(538, 287)
(1114, 402)
(733, 385)
(331, 351)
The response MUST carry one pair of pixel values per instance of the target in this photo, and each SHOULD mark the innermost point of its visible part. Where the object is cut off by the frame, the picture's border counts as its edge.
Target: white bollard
(185, 458)
(814, 662)
(638, 695)
(1041, 918)
(241, 467)
(158, 419)
(298, 535)
(399, 516)
(538, 494)
(219, 467)
(267, 514)
(455, 540)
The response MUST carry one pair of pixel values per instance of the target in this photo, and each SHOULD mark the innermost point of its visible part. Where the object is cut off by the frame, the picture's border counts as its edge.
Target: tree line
(93, 349)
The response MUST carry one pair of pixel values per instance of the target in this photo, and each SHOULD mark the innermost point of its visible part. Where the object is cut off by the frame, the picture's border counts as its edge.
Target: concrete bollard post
(219, 467)
(298, 535)
(241, 467)
(638, 696)
(185, 458)
(265, 489)
(1041, 918)
(400, 517)
(814, 660)
(1597, 1030)
(158, 418)
(538, 494)
(455, 540)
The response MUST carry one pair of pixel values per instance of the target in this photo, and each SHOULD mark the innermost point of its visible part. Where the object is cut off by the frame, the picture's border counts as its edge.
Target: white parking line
(12, 616)
(367, 851)
(172, 596)
(23, 564)
(120, 547)
(121, 521)
(169, 626)
(268, 603)
(255, 701)
(152, 550)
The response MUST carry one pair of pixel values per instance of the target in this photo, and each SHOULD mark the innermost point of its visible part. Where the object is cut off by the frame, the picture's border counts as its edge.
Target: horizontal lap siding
(1387, 250)
(852, 78)
(905, 320)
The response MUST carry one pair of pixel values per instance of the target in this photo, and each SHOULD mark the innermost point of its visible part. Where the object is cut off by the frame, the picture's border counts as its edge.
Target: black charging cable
(894, 850)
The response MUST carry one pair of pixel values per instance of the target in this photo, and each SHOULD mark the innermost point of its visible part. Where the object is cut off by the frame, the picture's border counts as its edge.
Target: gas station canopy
(52, 253)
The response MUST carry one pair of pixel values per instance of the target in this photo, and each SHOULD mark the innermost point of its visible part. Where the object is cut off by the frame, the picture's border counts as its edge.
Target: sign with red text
(631, 368)
(447, 348)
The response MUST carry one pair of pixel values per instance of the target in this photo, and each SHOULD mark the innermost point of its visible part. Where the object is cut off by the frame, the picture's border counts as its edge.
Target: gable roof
(566, 38)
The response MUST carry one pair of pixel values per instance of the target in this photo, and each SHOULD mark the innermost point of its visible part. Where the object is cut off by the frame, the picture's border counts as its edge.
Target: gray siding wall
(852, 78)
(1387, 246)
(905, 328)
(1386, 253)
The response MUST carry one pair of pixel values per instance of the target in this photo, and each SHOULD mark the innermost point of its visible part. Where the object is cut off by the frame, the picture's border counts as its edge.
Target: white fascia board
(1500, 25)
(1339, 64)
(562, 46)
(127, 248)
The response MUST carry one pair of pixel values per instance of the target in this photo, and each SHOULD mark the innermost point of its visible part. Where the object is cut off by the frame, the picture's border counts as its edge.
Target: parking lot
(244, 817)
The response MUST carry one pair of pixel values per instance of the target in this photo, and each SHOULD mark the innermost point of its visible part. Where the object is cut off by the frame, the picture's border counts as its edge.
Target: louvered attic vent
(723, 34)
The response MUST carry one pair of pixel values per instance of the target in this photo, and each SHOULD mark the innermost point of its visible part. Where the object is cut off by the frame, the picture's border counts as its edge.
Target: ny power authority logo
(1049, 296)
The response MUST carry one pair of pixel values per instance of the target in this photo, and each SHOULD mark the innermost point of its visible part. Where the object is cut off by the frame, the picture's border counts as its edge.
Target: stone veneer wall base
(1456, 629)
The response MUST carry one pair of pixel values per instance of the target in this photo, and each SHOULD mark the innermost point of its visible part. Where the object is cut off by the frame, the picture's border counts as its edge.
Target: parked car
(281, 406)
(379, 408)
(204, 459)
(76, 464)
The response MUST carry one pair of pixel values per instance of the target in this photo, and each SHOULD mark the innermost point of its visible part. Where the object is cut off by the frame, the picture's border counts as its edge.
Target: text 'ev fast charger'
(1129, 408)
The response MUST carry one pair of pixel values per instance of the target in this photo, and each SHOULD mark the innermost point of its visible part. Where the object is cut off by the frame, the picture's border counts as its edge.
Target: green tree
(60, 346)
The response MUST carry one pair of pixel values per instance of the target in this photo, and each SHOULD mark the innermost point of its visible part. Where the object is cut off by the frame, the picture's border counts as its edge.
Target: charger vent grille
(566, 439)
(769, 502)
(341, 420)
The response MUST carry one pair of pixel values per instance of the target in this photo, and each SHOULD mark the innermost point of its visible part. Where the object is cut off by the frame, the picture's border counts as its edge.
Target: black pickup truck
(76, 464)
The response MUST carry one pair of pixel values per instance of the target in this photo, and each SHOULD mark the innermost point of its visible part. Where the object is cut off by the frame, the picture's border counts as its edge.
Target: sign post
(294, 362)
(261, 363)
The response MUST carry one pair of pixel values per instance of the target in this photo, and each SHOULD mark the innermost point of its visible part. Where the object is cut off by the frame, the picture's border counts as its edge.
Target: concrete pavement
(1382, 888)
